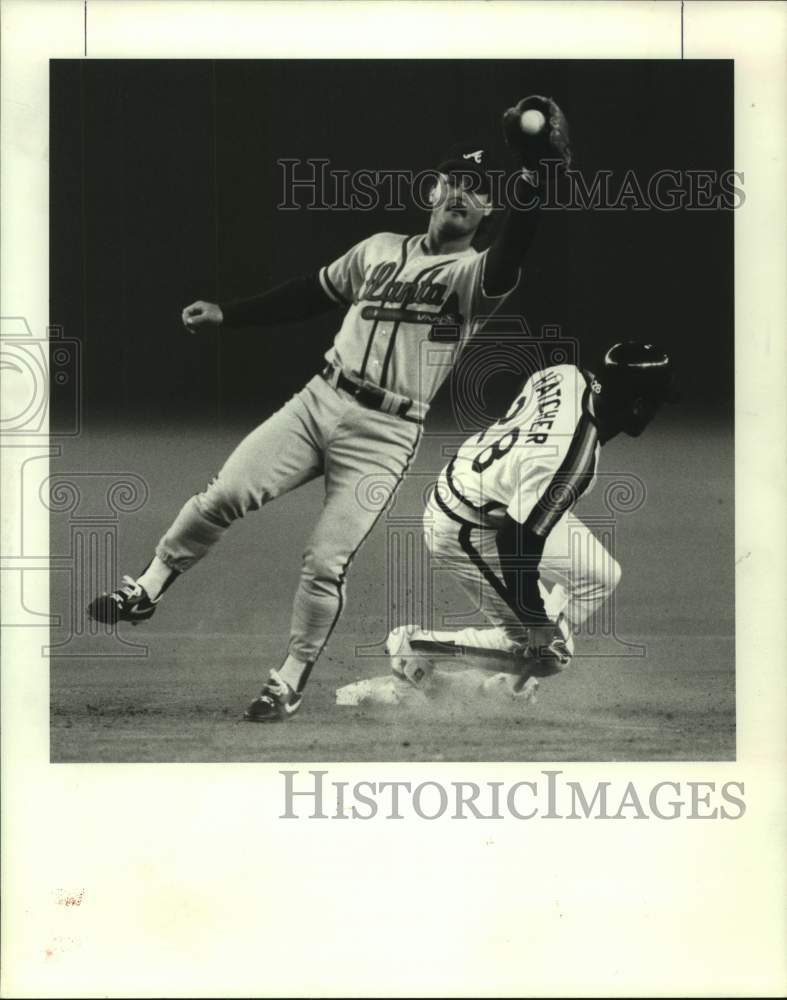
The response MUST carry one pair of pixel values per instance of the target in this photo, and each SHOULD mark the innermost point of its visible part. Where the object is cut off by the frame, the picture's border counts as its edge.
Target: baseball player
(411, 303)
(500, 516)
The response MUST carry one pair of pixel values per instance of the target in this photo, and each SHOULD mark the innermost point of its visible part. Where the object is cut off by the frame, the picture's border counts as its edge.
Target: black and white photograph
(393, 482)
(460, 365)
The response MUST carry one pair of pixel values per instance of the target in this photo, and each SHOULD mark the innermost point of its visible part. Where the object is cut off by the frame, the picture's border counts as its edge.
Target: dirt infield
(203, 655)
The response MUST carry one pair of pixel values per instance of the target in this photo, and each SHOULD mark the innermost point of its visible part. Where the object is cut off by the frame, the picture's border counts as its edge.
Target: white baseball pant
(576, 575)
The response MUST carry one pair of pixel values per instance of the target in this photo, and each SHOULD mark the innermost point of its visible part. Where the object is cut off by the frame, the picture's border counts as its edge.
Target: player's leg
(577, 574)
(282, 453)
(366, 460)
(415, 650)
(580, 573)
(365, 466)
(470, 556)
(279, 455)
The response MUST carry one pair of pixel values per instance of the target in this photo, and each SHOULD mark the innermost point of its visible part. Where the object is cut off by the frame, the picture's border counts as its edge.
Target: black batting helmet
(634, 369)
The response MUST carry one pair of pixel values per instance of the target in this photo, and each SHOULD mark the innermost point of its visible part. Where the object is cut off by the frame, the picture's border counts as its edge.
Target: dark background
(164, 188)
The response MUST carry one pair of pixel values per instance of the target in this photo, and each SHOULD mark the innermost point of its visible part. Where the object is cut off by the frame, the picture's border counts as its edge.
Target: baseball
(532, 121)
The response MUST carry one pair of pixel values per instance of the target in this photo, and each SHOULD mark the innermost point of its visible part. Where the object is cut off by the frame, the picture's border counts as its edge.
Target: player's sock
(295, 672)
(156, 578)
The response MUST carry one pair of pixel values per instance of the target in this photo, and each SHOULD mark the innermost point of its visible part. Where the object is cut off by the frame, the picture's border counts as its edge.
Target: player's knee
(427, 527)
(224, 502)
(436, 543)
(322, 566)
(605, 579)
(614, 573)
(436, 538)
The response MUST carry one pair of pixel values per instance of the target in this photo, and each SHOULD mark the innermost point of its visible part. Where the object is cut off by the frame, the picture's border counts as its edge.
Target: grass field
(225, 623)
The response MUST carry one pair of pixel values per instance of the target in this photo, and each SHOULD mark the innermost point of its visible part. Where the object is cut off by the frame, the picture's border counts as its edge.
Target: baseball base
(447, 685)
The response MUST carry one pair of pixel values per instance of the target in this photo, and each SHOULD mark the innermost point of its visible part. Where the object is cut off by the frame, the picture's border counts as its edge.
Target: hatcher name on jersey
(547, 389)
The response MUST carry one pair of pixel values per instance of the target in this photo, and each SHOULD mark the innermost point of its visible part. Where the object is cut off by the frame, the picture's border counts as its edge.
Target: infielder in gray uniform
(411, 305)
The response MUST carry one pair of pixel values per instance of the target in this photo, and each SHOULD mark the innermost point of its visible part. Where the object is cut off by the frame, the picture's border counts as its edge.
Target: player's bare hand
(201, 315)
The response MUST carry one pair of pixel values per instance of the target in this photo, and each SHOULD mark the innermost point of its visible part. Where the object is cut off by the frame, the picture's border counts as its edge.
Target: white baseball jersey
(409, 312)
(535, 462)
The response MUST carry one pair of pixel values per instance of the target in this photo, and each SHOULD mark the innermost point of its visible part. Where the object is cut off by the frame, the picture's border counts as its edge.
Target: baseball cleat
(129, 603)
(276, 701)
(407, 664)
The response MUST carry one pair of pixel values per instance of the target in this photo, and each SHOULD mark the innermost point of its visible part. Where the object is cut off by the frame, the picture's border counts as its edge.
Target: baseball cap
(470, 158)
(635, 367)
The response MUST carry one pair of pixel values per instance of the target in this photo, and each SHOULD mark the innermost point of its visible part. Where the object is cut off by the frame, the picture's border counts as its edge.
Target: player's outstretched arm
(535, 130)
(296, 299)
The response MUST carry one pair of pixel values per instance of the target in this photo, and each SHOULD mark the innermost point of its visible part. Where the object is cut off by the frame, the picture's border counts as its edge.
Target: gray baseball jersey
(409, 312)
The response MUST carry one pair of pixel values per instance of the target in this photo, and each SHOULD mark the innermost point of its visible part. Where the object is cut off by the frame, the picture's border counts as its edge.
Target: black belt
(370, 396)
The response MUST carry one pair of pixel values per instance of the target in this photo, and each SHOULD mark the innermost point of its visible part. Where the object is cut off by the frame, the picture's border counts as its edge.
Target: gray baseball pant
(363, 455)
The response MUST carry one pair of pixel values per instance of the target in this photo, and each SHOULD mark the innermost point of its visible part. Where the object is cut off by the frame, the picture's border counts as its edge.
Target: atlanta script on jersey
(409, 311)
(533, 463)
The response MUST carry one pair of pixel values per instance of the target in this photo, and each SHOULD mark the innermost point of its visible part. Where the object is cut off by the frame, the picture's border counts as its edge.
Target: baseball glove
(552, 142)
